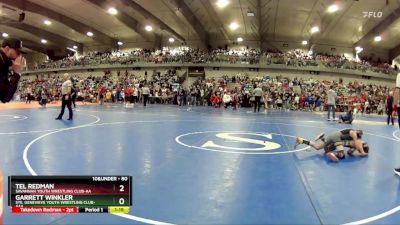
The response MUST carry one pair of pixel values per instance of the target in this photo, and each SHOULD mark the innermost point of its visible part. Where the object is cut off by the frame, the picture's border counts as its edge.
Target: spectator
(227, 100)
(145, 93)
(389, 108)
(331, 103)
(258, 93)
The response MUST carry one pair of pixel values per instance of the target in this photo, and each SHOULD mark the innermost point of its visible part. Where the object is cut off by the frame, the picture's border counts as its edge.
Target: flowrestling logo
(239, 142)
(373, 14)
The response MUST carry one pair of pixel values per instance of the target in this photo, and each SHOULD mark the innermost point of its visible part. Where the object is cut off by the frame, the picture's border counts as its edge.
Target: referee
(258, 93)
(66, 96)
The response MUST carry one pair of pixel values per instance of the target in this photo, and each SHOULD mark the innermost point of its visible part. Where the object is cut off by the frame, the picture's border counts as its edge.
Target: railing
(223, 61)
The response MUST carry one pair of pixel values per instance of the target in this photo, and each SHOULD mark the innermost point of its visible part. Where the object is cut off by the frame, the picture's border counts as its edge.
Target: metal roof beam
(153, 18)
(55, 38)
(394, 52)
(51, 14)
(378, 29)
(216, 19)
(124, 18)
(183, 11)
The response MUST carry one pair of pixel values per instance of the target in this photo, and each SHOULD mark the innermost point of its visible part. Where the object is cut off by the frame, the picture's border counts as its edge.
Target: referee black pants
(257, 103)
(145, 99)
(390, 116)
(66, 102)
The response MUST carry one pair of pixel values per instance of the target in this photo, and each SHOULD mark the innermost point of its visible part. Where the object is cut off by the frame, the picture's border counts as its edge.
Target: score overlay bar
(69, 194)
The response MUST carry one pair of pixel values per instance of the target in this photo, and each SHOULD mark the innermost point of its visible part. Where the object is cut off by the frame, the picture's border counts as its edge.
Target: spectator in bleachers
(389, 108)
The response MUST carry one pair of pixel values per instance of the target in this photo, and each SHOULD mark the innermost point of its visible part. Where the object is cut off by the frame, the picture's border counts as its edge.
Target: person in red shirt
(302, 101)
(101, 92)
(216, 100)
(128, 96)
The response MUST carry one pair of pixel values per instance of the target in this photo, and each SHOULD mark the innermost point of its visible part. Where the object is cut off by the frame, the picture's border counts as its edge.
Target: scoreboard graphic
(70, 194)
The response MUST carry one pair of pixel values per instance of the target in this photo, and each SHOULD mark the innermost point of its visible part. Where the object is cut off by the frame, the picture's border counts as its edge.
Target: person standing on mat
(331, 103)
(396, 99)
(11, 63)
(145, 93)
(73, 95)
(66, 97)
(389, 108)
(257, 93)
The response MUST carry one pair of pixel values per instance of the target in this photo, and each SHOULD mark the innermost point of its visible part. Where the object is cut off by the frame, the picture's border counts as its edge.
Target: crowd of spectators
(236, 91)
(288, 94)
(111, 87)
(295, 58)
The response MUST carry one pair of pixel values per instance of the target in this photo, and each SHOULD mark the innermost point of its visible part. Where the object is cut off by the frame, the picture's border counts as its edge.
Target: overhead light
(239, 39)
(333, 8)
(171, 40)
(234, 26)
(112, 11)
(5, 35)
(304, 42)
(148, 28)
(360, 28)
(250, 14)
(222, 3)
(120, 43)
(378, 39)
(359, 49)
(47, 22)
(75, 47)
(90, 34)
(314, 29)
(71, 49)
(44, 41)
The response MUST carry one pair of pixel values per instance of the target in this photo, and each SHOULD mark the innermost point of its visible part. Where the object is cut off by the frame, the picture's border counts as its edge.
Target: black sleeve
(345, 131)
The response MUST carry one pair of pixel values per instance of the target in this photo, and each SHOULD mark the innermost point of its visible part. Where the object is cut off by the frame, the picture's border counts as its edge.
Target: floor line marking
(50, 130)
(27, 164)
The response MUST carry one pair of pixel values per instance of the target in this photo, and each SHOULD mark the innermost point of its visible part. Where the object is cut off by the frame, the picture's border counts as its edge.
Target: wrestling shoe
(396, 171)
(298, 142)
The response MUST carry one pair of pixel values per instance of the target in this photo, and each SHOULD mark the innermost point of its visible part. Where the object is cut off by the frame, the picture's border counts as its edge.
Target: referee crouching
(66, 96)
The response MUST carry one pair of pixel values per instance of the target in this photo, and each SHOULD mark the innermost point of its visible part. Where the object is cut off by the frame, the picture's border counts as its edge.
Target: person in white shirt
(331, 103)
(135, 94)
(145, 93)
(296, 101)
(227, 99)
(66, 97)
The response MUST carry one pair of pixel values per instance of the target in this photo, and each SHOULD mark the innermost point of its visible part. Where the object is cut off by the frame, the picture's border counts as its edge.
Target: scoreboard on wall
(70, 194)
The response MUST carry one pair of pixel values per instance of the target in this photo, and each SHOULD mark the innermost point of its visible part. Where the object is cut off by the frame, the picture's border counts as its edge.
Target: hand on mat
(18, 64)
